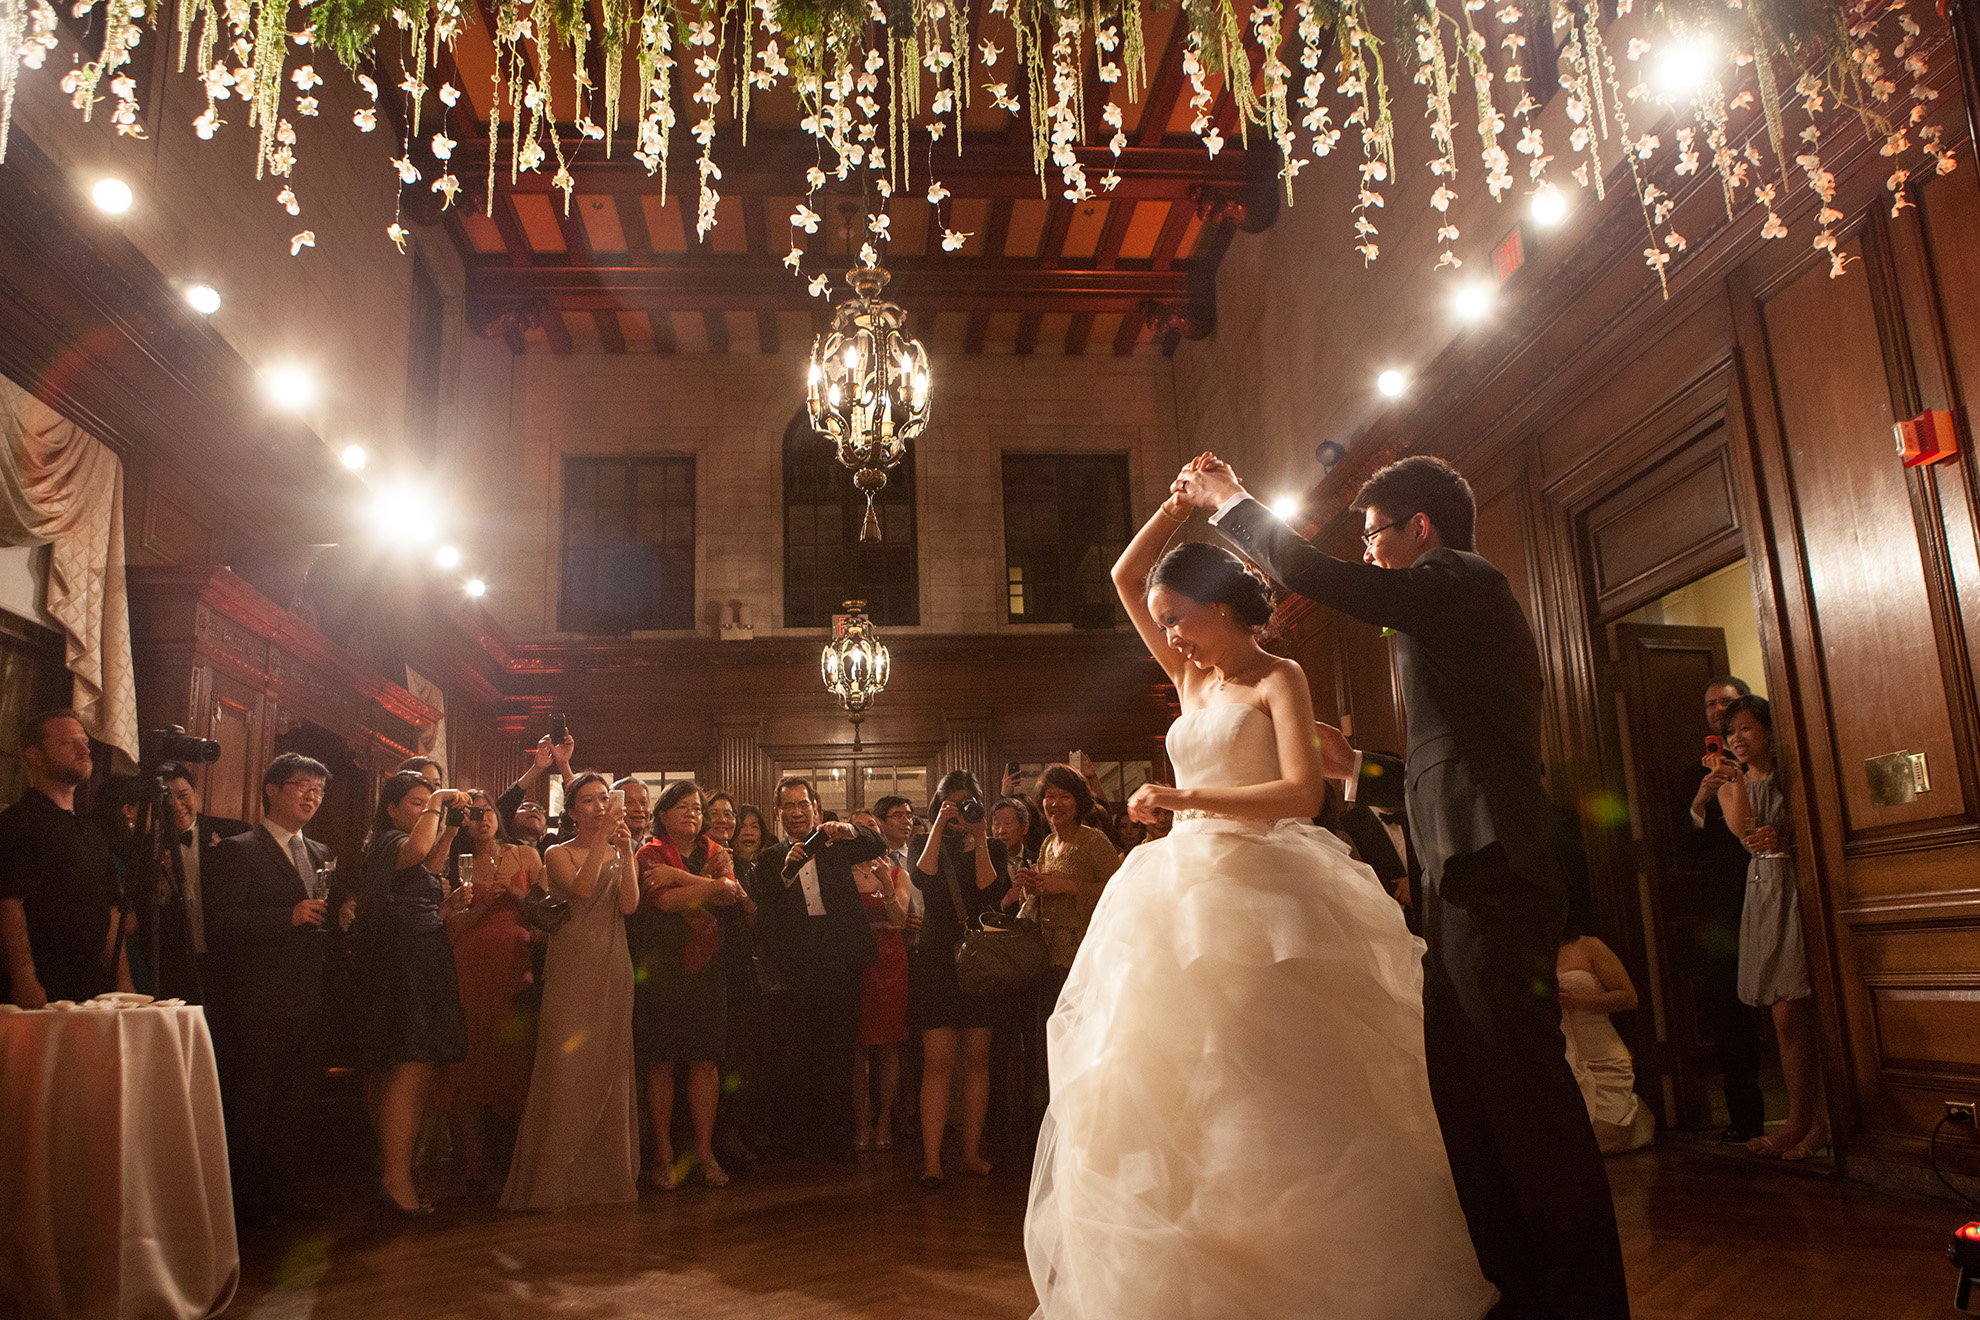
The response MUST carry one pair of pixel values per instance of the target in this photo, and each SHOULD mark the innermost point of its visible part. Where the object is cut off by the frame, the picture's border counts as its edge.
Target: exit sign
(1509, 258)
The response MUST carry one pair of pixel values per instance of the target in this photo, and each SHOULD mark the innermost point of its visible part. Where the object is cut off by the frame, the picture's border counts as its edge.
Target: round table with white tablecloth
(113, 1152)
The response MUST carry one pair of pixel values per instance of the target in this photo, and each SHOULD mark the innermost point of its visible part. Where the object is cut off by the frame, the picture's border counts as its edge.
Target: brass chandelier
(855, 664)
(868, 387)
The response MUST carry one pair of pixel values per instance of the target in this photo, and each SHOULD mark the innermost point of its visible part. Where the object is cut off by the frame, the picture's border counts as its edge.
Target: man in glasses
(268, 922)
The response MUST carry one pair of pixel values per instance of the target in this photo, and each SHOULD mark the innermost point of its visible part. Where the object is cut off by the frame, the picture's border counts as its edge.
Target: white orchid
(443, 146)
(794, 258)
(306, 105)
(307, 238)
(936, 192)
(305, 78)
(370, 87)
(398, 234)
(806, 219)
(446, 185)
(286, 199)
(819, 287)
(207, 123)
(449, 94)
(990, 51)
(953, 239)
(1112, 180)
(408, 172)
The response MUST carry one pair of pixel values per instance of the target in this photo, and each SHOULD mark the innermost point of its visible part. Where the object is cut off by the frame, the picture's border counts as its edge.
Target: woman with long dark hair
(578, 1143)
(413, 1022)
(959, 857)
(680, 1003)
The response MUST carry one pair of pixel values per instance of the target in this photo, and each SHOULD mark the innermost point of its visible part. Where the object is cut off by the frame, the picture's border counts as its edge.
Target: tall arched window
(825, 562)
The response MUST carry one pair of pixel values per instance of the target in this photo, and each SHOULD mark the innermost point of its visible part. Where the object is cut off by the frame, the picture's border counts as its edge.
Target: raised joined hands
(1205, 482)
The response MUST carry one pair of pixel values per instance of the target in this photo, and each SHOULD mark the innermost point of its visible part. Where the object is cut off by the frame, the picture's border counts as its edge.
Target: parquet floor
(1706, 1238)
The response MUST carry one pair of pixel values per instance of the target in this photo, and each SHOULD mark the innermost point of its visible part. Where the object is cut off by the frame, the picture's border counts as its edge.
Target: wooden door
(1662, 672)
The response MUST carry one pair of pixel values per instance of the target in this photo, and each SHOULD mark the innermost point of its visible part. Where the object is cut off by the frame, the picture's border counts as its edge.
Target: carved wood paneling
(1665, 528)
(1879, 659)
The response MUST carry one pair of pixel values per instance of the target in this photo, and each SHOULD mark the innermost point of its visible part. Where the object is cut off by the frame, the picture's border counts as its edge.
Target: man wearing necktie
(175, 942)
(269, 935)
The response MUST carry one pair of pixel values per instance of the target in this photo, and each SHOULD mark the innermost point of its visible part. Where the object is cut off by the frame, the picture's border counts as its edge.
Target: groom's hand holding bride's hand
(1206, 481)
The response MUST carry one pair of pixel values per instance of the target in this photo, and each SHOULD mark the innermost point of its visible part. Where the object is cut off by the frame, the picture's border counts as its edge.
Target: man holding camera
(814, 933)
(267, 917)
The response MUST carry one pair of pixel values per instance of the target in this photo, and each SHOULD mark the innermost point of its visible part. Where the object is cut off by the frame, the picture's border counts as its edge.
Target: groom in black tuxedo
(1493, 903)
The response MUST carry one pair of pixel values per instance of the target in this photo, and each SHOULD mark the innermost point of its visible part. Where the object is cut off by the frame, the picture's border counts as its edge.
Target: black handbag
(545, 912)
(998, 954)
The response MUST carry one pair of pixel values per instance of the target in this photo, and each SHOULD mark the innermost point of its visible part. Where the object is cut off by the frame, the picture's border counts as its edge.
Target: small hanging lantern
(855, 664)
(868, 387)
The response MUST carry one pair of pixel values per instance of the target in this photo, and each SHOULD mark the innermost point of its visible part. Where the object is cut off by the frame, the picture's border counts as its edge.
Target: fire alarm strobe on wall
(1930, 437)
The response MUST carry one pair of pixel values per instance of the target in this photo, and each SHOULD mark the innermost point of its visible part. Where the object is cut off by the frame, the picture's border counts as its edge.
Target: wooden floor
(1705, 1235)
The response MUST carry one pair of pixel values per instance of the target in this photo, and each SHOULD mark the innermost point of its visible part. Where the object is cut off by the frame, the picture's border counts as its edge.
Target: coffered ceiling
(623, 271)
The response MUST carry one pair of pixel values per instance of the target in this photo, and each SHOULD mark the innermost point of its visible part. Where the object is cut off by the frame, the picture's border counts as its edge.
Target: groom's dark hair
(1425, 485)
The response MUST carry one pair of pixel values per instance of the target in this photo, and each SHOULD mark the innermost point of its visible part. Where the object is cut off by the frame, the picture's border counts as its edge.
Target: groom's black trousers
(1523, 1154)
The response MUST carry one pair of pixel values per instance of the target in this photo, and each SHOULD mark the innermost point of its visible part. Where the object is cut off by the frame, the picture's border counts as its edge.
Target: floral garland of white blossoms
(858, 67)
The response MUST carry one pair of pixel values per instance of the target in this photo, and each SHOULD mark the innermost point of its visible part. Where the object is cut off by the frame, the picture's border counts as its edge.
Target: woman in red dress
(492, 963)
(883, 1002)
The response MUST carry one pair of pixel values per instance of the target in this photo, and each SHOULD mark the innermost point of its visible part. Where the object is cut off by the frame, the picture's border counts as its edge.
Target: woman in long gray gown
(579, 1139)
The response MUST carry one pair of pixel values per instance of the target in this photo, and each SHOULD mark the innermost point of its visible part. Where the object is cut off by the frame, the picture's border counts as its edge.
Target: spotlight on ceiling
(112, 196)
(1686, 65)
(447, 557)
(354, 457)
(1287, 507)
(476, 587)
(1391, 383)
(397, 511)
(1549, 206)
(203, 298)
(1327, 453)
(422, 529)
(1474, 300)
(289, 387)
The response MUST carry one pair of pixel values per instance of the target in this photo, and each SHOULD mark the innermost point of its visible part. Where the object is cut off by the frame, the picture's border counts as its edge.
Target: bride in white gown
(1240, 1123)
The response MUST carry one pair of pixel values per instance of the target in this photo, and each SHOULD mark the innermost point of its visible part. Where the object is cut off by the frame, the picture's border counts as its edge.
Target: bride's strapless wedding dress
(1240, 1122)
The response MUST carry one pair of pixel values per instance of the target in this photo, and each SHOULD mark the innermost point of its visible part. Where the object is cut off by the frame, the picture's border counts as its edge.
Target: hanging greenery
(875, 77)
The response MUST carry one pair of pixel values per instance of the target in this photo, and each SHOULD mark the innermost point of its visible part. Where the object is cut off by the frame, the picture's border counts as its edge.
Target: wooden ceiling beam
(1027, 332)
(1118, 219)
(718, 330)
(560, 334)
(632, 219)
(509, 225)
(733, 284)
(576, 241)
(774, 162)
(755, 232)
(1164, 90)
(609, 333)
(664, 342)
(768, 338)
(979, 330)
(1078, 332)
(1058, 222)
(1171, 236)
(997, 232)
(1128, 335)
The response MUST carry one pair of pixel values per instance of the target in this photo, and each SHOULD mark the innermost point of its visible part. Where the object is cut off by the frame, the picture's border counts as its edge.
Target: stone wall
(730, 412)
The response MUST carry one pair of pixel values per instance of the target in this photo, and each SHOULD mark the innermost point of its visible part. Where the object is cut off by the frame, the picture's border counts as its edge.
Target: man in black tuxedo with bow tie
(814, 932)
(269, 937)
(1493, 901)
(173, 926)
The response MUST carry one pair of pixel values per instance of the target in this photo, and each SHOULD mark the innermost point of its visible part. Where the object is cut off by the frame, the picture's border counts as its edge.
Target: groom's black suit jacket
(1471, 683)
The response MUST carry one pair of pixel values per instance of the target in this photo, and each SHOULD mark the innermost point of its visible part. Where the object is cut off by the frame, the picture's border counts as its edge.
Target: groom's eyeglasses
(1368, 538)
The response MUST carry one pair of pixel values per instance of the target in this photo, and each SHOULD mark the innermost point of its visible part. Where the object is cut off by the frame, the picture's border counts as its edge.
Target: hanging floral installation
(877, 77)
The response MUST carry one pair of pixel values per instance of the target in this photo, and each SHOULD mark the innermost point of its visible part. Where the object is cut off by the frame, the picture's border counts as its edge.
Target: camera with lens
(971, 811)
(175, 744)
(455, 817)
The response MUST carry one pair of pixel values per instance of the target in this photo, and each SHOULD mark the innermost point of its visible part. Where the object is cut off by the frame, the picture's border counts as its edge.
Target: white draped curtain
(64, 488)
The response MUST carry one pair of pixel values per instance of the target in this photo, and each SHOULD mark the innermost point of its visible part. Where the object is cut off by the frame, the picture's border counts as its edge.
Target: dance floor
(1705, 1236)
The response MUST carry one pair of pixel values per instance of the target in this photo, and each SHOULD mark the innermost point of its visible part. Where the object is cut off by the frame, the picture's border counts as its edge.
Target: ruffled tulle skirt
(1240, 1123)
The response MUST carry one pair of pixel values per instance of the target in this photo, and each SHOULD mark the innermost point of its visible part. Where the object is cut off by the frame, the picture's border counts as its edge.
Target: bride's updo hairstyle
(1212, 575)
